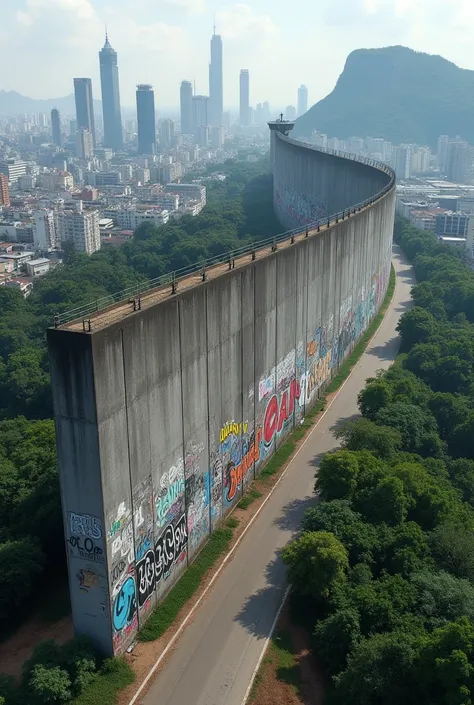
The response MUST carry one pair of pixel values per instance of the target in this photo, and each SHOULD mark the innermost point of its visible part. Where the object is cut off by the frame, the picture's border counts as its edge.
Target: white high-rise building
(45, 230)
(84, 144)
(302, 100)
(402, 160)
(81, 227)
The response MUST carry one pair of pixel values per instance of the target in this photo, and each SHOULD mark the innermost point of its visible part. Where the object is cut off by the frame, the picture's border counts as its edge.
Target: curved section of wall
(164, 417)
(310, 183)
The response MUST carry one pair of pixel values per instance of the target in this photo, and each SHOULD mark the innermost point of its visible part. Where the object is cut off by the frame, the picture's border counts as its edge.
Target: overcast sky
(283, 44)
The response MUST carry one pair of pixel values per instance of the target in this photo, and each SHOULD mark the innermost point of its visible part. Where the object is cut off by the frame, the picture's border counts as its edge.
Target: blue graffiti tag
(125, 605)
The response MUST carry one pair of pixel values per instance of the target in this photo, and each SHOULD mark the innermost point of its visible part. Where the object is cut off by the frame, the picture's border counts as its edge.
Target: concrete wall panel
(163, 418)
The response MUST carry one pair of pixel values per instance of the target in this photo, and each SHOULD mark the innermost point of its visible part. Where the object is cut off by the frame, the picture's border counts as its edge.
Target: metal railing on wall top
(172, 278)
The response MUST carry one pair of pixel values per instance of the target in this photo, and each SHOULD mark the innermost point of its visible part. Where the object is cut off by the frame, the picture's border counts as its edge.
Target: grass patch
(281, 658)
(232, 523)
(115, 675)
(167, 611)
(248, 498)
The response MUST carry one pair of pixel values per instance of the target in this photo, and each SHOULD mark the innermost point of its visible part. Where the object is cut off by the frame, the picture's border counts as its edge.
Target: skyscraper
(302, 100)
(146, 119)
(244, 97)
(84, 106)
(216, 87)
(186, 102)
(201, 119)
(56, 127)
(109, 82)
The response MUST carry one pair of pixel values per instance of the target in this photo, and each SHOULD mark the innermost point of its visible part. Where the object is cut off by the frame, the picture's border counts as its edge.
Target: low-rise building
(38, 267)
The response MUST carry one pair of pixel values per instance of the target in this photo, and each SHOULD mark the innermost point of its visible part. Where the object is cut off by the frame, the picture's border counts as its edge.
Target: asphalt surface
(214, 659)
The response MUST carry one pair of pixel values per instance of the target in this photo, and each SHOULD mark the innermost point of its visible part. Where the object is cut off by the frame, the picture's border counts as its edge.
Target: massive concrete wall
(309, 183)
(164, 417)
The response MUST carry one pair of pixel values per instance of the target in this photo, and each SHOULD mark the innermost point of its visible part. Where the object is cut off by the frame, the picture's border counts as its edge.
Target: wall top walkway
(110, 309)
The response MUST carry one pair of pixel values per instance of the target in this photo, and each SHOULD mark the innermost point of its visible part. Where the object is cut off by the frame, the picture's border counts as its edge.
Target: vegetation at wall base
(248, 498)
(385, 561)
(281, 658)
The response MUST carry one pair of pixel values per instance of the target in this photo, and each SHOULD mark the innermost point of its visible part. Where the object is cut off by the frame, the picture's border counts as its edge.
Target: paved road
(214, 659)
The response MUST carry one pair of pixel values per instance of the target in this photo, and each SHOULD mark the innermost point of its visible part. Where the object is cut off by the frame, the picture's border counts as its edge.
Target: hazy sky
(47, 42)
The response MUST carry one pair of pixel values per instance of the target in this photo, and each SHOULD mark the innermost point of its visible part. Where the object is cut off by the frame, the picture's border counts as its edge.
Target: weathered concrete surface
(215, 657)
(164, 415)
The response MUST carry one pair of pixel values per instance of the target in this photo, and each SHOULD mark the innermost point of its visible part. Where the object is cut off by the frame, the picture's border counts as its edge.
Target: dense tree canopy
(397, 625)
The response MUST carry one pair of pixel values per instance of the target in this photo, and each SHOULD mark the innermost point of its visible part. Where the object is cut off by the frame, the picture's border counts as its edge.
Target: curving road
(215, 657)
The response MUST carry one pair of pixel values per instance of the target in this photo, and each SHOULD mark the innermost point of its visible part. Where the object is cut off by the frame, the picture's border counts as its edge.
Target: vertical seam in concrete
(129, 462)
(275, 259)
(306, 325)
(180, 339)
(206, 302)
(254, 381)
(241, 375)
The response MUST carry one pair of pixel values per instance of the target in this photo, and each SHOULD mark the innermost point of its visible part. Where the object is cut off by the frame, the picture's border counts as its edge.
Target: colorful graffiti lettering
(169, 547)
(279, 411)
(170, 497)
(125, 605)
(85, 524)
(232, 429)
(121, 519)
(236, 474)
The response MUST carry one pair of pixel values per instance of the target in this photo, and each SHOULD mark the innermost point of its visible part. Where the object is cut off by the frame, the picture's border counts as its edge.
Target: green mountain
(398, 94)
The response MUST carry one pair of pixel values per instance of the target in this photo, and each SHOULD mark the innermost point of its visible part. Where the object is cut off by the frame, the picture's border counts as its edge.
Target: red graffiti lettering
(237, 474)
(277, 414)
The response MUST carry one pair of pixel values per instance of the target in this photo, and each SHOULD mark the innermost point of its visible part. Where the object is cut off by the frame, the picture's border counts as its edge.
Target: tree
(416, 326)
(380, 670)
(441, 597)
(21, 562)
(337, 475)
(49, 685)
(317, 562)
(452, 547)
(375, 396)
(335, 637)
(386, 503)
(362, 434)
(414, 424)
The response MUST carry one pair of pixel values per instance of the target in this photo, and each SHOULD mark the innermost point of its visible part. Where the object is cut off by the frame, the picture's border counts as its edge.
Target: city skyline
(253, 36)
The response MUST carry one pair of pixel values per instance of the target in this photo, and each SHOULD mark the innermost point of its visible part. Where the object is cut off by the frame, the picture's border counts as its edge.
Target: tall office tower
(56, 127)
(4, 194)
(266, 111)
(244, 97)
(459, 161)
(166, 132)
(42, 120)
(84, 106)
(216, 85)
(109, 82)
(302, 100)
(186, 102)
(84, 144)
(290, 112)
(401, 161)
(146, 119)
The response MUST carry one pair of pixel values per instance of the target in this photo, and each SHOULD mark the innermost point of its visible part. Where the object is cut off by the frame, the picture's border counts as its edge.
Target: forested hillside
(31, 536)
(383, 572)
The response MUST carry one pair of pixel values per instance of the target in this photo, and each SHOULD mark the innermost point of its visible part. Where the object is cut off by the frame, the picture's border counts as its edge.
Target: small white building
(38, 267)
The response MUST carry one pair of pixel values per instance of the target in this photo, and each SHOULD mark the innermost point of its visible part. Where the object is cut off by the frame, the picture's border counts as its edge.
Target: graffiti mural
(318, 363)
(84, 537)
(124, 613)
(156, 565)
(169, 499)
(87, 579)
(298, 207)
(198, 495)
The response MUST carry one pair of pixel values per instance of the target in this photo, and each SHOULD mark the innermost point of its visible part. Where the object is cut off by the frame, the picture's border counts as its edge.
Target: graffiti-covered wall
(163, 418)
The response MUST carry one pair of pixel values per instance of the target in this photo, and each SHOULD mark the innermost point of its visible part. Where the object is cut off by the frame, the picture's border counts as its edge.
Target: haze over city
(166, 42)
